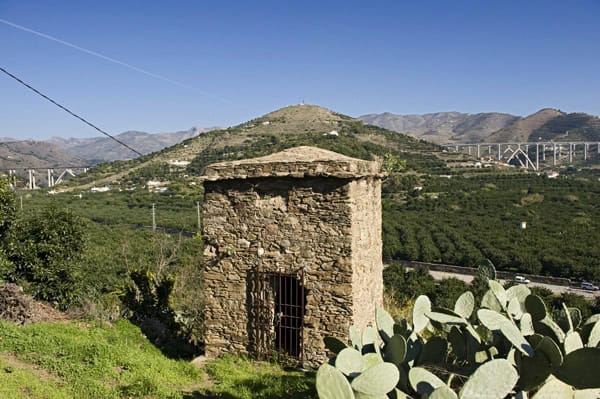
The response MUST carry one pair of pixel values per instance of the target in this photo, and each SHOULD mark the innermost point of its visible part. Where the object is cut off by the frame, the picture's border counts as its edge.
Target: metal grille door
(278, 310)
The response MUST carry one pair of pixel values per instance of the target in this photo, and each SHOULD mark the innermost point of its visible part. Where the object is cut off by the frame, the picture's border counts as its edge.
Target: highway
(558, 289)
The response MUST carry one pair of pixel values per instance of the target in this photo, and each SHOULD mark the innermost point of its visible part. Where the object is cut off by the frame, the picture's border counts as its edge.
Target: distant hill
(102, 149)
(59, 151)
(522, 129)
(443, 127)
(574, 126)
(34, 154)
(281, 129)
(448, 127)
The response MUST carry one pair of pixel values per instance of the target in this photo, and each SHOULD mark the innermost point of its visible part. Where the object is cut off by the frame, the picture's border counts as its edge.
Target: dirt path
(11, 361)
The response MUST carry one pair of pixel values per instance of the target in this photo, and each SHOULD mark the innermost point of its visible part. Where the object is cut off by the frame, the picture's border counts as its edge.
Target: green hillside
(288, 127)
(92, 360)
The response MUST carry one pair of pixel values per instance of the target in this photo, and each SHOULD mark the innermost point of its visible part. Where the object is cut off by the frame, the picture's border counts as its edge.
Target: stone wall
(296, 210)
(367, 290)
(250, 223)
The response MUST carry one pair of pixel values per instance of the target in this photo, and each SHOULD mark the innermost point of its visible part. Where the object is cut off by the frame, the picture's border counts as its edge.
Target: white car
(589, 286)
(521, 280)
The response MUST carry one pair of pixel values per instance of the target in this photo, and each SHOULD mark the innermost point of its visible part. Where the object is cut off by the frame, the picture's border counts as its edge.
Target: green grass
(20, 382)
(81, 360)
(99, 362)
(241, 378)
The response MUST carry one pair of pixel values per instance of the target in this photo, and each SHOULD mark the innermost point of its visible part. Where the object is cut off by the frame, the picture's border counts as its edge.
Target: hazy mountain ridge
(34, 154)
(448, 127)
(443, 127)
(58, 151)
(440, 127)
(102, 149)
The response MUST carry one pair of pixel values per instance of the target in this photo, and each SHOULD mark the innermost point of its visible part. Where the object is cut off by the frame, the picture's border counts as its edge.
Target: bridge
(50, 176)
(531, 154)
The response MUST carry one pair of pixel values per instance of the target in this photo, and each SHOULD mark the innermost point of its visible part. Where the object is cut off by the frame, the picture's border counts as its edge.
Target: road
(558, 289)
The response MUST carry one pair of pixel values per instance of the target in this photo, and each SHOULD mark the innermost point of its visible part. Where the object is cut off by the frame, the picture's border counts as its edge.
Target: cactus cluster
(509, 347)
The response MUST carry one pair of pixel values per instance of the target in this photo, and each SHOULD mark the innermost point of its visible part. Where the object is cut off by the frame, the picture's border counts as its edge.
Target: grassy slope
(97, 362)
(21, 381)
(81, 360)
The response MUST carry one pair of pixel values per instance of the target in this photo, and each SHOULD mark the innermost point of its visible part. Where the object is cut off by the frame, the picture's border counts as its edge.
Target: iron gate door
(278, 310)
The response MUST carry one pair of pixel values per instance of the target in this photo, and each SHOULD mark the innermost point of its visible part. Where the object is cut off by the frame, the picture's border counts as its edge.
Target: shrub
(162, 295)
(448, 290)
(45, 249)
(405, 285)
(510, 346)
(7, 206)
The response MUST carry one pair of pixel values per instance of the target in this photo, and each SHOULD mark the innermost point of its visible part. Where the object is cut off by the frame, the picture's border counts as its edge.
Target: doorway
(279, 302)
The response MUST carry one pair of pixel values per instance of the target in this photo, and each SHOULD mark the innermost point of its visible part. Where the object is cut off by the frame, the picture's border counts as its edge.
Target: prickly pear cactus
(486, 270)
(509, 346)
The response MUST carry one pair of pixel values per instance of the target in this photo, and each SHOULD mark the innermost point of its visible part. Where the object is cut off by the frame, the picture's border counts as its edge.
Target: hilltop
(523, 128)
(278, 130)
(493, 127)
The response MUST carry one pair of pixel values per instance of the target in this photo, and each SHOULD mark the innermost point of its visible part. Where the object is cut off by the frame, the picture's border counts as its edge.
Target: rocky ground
(19, 308)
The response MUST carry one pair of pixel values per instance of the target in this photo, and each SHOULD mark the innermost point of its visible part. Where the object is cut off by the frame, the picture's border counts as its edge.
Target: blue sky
(237, 60)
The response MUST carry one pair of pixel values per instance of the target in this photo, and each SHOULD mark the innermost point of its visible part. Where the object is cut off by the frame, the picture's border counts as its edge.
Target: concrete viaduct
(53, 175)
(531, 154)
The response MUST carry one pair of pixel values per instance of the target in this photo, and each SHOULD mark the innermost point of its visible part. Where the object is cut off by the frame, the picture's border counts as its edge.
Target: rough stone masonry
(304, 211)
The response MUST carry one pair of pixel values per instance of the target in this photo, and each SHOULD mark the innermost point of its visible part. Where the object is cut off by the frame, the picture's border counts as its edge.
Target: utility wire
(69, 111)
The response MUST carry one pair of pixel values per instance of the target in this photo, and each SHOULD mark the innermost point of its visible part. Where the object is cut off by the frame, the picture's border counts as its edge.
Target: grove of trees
(461, 220)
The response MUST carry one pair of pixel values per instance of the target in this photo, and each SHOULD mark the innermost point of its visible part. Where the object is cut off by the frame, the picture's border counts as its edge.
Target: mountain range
(20, 154)
(86, 151)
(492, 127)
(440, 127)
(102, 149)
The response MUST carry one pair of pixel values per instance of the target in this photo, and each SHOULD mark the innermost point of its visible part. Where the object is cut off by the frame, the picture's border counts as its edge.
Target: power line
(69, 111)
(113, 60)
(93, 53)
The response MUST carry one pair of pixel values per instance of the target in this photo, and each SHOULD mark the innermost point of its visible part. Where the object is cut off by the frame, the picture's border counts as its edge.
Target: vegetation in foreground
(89, 360)
(510, 346)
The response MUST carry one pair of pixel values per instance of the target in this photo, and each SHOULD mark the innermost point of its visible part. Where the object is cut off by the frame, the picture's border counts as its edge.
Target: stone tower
(293, 252)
